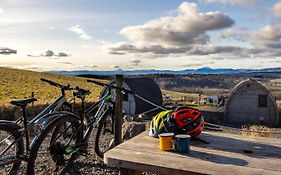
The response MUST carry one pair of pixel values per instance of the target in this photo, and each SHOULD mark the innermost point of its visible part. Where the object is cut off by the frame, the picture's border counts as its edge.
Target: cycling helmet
(163, 122)
(189, 121)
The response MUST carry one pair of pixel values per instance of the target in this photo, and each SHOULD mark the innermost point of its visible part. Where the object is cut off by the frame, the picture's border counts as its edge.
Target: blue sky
(143, 34)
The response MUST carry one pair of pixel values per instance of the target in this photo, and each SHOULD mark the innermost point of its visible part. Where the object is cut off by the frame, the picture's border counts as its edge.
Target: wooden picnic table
(226, 154)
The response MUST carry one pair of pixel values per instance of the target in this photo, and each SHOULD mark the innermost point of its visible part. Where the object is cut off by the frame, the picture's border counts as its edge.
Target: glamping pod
(251, 103)
(144, 87)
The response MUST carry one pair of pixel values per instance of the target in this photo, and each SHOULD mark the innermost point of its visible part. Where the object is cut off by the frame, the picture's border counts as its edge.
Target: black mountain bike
(66, 137)
(15, 136)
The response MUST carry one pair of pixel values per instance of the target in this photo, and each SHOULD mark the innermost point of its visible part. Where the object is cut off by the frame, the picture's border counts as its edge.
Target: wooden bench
(226, 154)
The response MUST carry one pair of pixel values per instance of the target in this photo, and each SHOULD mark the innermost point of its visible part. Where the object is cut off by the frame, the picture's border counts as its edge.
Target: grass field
(18, 84)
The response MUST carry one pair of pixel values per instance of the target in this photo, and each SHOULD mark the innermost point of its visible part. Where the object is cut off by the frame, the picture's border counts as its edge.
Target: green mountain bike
(66, 137)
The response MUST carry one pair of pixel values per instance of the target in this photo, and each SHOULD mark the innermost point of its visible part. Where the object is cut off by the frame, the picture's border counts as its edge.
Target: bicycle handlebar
(98, 83)
(111, 86)
(67, 87)
(51, 82)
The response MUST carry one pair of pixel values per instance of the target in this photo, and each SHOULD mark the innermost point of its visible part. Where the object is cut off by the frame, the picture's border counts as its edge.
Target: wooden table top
(226, 154)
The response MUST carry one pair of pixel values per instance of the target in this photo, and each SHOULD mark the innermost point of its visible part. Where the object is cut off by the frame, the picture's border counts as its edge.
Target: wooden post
(118, 111)
(32, 104)
(199, 99)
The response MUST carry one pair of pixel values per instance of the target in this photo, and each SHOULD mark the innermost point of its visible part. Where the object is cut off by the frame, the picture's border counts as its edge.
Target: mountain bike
(15, 136)
(65, 138)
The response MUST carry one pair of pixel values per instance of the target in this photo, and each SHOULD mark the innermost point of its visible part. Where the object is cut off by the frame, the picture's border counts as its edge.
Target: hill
(18, 84)
(203, 70)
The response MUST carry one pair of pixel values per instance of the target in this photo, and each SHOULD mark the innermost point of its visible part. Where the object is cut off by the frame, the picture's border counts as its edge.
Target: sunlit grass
(19, 84)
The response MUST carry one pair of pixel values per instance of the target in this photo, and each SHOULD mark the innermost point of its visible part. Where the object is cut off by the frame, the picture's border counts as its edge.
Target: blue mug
(182, 143)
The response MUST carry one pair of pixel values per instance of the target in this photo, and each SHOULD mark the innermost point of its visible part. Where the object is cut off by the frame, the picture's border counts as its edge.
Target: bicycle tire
(11, 129)
(54, 124)
(102, 145)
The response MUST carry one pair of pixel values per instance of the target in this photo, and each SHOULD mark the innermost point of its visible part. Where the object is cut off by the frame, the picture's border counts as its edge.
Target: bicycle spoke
(9, 156)
(105, 136)
(57, 148)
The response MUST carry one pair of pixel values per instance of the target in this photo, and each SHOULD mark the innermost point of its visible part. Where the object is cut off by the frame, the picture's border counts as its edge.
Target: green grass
(19, 84)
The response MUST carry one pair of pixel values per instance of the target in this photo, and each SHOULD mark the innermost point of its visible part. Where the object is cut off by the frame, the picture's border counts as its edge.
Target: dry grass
(254, 131)
(18, 84)
(178, 95)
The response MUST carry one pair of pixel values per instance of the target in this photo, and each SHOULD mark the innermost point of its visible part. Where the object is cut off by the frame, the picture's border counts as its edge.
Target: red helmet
(189, 121)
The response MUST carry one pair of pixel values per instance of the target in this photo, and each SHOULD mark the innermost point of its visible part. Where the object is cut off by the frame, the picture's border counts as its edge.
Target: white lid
(166, 134)
(182, 136)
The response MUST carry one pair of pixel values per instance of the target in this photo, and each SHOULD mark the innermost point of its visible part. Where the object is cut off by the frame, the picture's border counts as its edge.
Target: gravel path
(85, 164)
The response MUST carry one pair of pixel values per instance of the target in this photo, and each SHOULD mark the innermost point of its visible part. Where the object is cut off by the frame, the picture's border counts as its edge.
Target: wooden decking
(226, 154)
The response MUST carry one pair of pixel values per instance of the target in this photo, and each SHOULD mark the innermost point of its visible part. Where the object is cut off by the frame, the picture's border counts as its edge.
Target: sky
(45, 35)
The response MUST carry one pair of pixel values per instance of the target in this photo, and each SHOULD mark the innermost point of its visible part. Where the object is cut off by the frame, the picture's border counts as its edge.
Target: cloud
(135, 62)
(80, 32)
(233, 2)
(66, 62)
(1, 11)
(62, 54)
(188, 27)
(239, 34)
(276, 10)
(268, 33)
(90, 66)
(116, 52)
(221, 52)
(7, 51)
(115, 67)
(160, 51)
(50, 53)
(186, 34)
(268, 36)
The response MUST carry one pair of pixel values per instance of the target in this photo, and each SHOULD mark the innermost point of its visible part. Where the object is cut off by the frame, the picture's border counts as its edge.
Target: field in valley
(210, 85)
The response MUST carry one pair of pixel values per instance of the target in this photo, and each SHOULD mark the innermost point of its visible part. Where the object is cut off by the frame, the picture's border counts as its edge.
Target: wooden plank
(143, 161)
(216, 151)
(224, 155)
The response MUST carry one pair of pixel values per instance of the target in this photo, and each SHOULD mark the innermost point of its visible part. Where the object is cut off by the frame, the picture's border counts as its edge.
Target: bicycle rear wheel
(56, 147)
(10, 160)
(105, 135)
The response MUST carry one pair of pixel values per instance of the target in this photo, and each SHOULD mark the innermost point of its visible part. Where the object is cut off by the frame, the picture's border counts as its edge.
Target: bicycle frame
(39, 120)
(94, 120)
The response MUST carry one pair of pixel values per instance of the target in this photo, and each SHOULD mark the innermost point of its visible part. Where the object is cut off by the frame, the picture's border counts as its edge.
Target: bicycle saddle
(22, 103)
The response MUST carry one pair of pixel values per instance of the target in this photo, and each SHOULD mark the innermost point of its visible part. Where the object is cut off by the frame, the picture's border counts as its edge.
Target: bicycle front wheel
(56, 146)
(105, 135)
(10, 157)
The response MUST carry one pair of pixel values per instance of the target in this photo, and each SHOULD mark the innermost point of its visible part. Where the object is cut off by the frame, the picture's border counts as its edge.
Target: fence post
(118, 111)
(32, 105)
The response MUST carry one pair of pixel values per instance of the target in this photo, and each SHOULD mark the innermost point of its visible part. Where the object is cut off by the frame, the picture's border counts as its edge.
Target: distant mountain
(203, 70)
